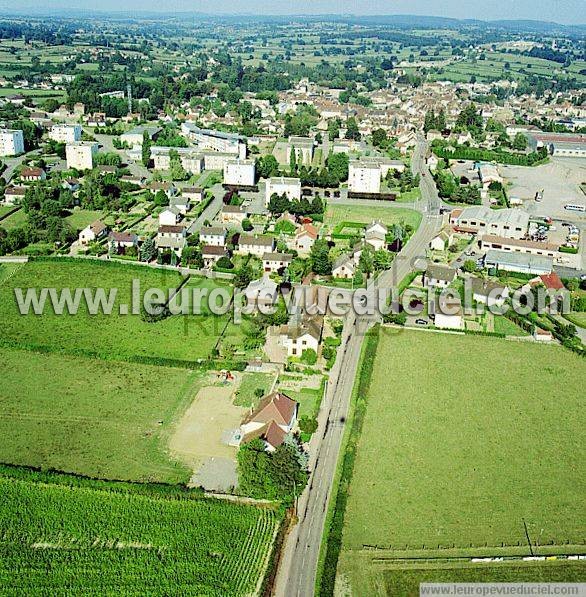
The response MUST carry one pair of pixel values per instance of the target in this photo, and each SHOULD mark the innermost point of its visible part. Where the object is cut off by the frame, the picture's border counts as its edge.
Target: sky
(560, 11)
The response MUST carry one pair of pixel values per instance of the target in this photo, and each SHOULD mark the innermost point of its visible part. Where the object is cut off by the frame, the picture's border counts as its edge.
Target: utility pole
(528, 539)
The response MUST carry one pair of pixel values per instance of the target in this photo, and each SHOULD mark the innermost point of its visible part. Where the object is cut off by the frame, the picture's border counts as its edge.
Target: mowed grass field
(75, 536)
(365, 214)
(114, 336)
(92, 417)
(464, 438)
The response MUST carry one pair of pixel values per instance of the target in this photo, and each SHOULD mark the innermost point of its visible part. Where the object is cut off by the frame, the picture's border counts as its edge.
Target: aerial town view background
(196, 213)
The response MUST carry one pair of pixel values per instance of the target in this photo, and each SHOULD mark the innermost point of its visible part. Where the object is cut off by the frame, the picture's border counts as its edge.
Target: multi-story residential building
(215, 140)
(240, 173)
(65, 133)
(191, 159)
(80, 155)
(11, 142)
(280, 185)
(364, 177)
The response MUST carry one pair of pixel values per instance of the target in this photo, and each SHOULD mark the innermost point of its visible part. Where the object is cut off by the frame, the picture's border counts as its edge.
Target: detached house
(233, 214)
(94, 232)
(214, 236)
(171, 237)
(255, 245)
(489, 293)
(211, 254)
(123, 239)
(297, 337)
(170, 216)
(194, 194)
(276, 262)
(262, 292)
(438, 276)
(13, 195)
(32, 174)
(344, 267)
(167, 187)
(305, 237)
(271, 421)
(376, 235)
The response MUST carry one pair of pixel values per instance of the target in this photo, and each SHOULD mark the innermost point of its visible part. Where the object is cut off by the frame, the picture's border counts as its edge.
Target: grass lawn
(91, 417)
(250, 382)
(502, 325)
(463, 439)
(17, 219)
(114, 336)
(5, 209)
(73, 536)
(80, 218)
(577, 318)
(309, 400)
(406, 582)
(365, 214)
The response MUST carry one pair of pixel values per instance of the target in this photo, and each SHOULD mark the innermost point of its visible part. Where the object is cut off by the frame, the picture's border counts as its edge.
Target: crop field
(365, 214)
(92, 417)
(115, 336)
(75, 536)
(464, 440)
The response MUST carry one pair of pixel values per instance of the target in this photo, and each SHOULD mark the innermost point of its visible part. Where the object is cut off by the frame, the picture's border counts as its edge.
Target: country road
(298, 568)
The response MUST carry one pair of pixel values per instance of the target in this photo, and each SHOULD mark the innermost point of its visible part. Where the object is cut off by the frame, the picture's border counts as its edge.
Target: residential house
(274, 417)
(344, 267)
(488, 292)
(168, 188)
(171, 237)
(211, 254)
(214, 236)
(170, 216)
(448, 313)
(123, 239)
(442, 241)
(376, 235)
(438, 276)
(305, 237)
(296, 337)
(261, 293)
(276, 262)
(13, 195)
(92, 233)
(195, 194)
(255, 245)
(233, 214)
(32, 174)
(181, 203)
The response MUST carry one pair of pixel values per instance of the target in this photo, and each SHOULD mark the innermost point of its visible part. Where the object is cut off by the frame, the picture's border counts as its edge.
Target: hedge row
(333, 537)
(488, 155)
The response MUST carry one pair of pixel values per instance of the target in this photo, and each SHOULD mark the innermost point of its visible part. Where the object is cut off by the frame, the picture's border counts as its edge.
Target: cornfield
(92, 538)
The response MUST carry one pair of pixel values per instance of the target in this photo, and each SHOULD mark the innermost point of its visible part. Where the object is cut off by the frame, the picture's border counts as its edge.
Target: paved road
(13, 163)
(297, 571)
(211, 211)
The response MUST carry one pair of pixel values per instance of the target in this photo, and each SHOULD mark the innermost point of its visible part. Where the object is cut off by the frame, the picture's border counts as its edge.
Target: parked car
(421, 322)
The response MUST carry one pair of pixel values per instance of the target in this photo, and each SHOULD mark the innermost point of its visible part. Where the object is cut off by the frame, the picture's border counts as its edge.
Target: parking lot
(559, 180)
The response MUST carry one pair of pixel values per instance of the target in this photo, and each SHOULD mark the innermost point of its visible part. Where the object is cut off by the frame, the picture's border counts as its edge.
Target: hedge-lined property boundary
(332, 541)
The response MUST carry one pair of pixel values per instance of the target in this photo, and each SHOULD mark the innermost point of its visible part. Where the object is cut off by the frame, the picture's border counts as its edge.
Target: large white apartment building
(11, 142)
(80, 155)
(191, 160)
(215, 140)
(65, 133)
(240, 173)
(364, 177)
(283, 186)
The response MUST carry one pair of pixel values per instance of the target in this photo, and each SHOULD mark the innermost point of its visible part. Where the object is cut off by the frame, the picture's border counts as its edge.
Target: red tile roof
(552, 281)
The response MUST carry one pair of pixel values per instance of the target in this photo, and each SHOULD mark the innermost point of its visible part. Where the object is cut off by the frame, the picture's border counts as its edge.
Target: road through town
(299, 561)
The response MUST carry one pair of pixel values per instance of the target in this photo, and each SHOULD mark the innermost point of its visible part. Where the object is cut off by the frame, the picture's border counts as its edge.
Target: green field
(64, 535)
(114, 336)
(463, 439)
(92, 417)
(406, 582)
(80, 218)
(577, 318)
(362, 214)
(18, 218)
